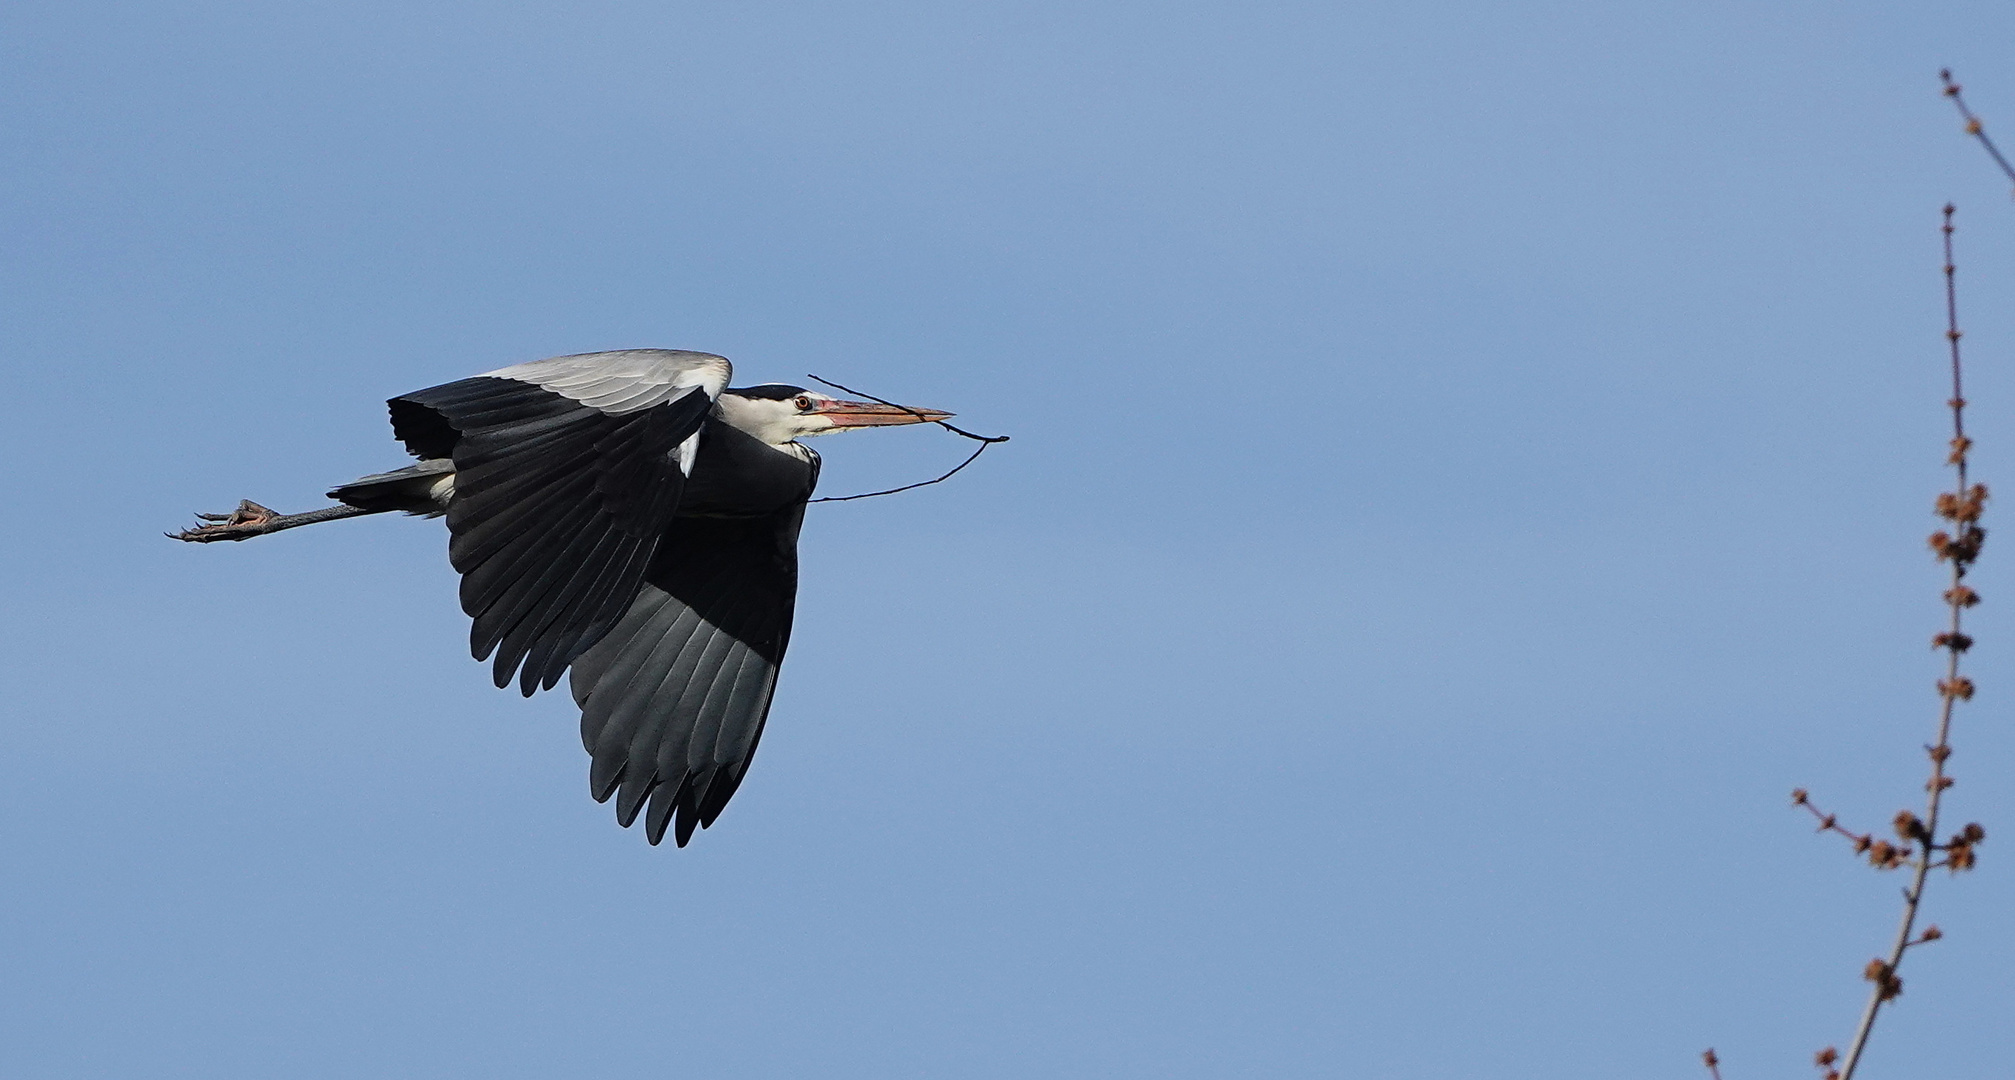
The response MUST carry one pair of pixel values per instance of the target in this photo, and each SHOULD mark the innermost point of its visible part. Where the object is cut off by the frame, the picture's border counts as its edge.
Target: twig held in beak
(984, 441)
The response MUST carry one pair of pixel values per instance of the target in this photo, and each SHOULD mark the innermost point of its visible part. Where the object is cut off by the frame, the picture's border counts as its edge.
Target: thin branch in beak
(920, 416)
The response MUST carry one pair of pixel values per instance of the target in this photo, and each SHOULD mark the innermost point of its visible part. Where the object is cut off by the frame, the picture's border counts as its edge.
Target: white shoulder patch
(625, 380)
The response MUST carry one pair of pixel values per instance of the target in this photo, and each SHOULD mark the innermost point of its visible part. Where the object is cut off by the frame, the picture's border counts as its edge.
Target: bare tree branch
(1962, 507)
(1973, 125)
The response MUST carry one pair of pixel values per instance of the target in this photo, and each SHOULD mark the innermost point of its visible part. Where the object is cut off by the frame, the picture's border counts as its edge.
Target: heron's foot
(248, 520)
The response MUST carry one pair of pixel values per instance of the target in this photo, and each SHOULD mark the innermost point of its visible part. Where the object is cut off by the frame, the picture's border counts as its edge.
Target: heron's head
(777, 414)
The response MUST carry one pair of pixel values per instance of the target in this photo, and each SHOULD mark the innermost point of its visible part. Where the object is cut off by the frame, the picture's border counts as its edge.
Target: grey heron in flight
(628, 516)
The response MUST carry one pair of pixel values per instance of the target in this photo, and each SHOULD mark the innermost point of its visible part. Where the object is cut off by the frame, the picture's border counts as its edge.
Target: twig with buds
(1973, 125)
(1916, 846)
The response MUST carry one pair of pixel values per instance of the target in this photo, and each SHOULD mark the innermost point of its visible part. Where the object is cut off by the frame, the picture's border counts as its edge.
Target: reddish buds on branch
(1959, 853)
(1953, 640)
(1959, 544)
(1962, 595)
(1963, 550)
(1884, 977)
(1963, 507)
(1883, 855)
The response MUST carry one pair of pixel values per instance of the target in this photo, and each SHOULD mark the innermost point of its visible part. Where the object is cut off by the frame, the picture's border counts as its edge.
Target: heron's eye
(803, 403)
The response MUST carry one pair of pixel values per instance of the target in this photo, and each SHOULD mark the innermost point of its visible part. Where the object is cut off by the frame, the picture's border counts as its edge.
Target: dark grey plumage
(628, 517)
(557, 509)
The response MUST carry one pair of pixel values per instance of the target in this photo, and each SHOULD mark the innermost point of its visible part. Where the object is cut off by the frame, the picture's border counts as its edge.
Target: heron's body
(626, 517)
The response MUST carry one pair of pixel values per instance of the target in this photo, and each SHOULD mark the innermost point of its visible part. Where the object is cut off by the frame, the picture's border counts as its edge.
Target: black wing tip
(676, 808)
(529, 677)
(688, 819)
(604, 790)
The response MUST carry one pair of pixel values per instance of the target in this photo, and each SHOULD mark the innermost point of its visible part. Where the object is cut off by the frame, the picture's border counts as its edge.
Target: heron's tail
(417, 489)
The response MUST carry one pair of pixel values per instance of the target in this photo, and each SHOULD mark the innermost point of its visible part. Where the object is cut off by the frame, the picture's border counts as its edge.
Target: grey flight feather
(674, 698)
(626, 380)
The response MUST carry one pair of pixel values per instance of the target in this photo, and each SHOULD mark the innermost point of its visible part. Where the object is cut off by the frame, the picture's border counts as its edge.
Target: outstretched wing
(673, 699)
(567, 472)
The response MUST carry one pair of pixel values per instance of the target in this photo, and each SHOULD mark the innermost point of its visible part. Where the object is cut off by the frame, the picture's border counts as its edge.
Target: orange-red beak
(860, 414)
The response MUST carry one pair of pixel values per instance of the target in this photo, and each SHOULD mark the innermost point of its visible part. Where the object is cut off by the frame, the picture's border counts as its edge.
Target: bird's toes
(250, 513)
(205, 531)
(248, 520)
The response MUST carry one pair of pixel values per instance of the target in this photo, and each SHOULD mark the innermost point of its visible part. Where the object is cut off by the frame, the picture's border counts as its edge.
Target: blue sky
(1470, 462)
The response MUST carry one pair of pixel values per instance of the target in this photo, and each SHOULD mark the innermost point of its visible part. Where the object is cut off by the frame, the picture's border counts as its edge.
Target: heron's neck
(761, 420)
